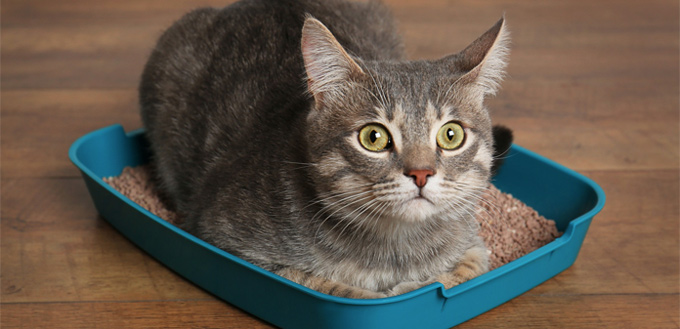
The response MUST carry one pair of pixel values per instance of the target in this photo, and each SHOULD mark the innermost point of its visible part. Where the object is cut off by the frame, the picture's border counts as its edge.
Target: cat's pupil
(450, 134)
(374, 136)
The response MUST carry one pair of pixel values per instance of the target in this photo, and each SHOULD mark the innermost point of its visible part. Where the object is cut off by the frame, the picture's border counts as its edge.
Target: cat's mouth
(417, 208)
(421, 198)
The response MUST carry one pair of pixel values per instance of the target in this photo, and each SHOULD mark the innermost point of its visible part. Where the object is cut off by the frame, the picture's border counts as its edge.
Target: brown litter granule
(509, 228)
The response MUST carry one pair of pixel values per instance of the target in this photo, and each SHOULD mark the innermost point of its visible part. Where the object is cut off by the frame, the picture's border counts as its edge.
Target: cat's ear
(483, 62)
(327, 64)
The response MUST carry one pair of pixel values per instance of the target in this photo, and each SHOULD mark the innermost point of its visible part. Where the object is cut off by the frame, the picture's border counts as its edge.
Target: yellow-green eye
(450, 136)
(374, 137)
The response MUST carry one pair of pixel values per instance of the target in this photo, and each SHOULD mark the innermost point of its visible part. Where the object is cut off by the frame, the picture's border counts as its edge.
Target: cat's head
(400, 141)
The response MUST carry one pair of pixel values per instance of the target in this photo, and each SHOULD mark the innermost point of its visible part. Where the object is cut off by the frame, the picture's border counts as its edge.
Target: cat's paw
(405, 287)
(327, 286)
(475, 262)
(358, 293)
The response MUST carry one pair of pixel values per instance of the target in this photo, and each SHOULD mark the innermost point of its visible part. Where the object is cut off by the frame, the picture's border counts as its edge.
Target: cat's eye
(450, 136)
(375, 137)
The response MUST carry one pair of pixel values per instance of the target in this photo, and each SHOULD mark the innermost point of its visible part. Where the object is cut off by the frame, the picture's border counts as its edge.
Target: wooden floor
(592, 85)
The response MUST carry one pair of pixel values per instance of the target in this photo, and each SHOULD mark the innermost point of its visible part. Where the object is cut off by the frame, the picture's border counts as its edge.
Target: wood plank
(40, 13)
(555, 26)
(104, 57)
(54, 247)
(122, 314)
(111, 51)
(583, 311)
(592, 145)
(39, 127)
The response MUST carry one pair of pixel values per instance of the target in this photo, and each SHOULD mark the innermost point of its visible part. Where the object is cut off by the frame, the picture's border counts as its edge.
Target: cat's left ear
(483, 62)
(327, 64)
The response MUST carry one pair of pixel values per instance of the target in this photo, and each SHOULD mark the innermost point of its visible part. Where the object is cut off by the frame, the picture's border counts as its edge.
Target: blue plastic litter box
(553, 190)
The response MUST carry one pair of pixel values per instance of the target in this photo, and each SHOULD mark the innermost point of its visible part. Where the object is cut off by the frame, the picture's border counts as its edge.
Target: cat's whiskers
(464, 187)
(300, 165)
(437, 103)
(372, 219)
(459, 204)
(329, 195)
(353, 219)
(477, 211)
(380, 214)
(344, 203)
(324, 197)
(446, 94)
(476, 193)
(350, 220)
(347, 201)
(339, 220)
(477, 201)
(391, 192)
(329, 203)
(383, 96)
(370, 92)
(471, 193)
(503, 156)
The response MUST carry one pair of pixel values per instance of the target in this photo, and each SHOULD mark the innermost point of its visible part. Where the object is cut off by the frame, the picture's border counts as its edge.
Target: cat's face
(401, 150)
(397, 142)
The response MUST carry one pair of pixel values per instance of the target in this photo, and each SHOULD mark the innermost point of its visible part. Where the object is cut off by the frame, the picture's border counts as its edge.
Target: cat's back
(249, 36)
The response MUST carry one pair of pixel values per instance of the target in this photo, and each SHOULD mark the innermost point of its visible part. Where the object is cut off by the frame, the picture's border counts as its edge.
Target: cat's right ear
(327, 64)
(482, 64)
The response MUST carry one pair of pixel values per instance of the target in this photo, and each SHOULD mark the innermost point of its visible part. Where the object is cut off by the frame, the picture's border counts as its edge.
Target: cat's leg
(475, 262)
(327, 286)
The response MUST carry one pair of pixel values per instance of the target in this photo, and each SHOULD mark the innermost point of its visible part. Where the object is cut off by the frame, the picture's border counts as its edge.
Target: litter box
(556, 192)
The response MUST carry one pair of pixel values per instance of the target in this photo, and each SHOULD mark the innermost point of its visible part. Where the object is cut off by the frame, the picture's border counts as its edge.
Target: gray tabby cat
(296, 136)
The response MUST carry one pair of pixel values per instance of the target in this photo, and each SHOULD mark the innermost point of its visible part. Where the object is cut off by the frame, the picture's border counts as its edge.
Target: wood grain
(124, 314)
(38, 126)
(592, 85)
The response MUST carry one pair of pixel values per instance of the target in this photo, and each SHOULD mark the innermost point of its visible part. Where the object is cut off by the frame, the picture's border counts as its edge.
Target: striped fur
(253, 113)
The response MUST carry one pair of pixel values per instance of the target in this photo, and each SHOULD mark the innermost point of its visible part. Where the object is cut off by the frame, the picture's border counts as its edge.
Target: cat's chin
(417, 209)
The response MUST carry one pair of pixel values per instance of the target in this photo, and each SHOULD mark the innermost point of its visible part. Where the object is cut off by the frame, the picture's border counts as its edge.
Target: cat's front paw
(405, 287)
(327, 286)
(475, 262)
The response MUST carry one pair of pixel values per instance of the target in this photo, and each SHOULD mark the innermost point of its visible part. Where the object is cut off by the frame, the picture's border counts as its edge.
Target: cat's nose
(420, 176)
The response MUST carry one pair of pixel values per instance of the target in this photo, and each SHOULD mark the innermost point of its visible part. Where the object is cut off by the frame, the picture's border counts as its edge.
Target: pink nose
(420, 176)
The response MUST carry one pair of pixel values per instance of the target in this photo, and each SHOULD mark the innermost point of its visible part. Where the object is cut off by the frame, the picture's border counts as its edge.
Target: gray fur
(265, 164)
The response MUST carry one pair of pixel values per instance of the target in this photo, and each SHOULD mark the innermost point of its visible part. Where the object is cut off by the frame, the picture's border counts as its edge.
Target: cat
(297, 136)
